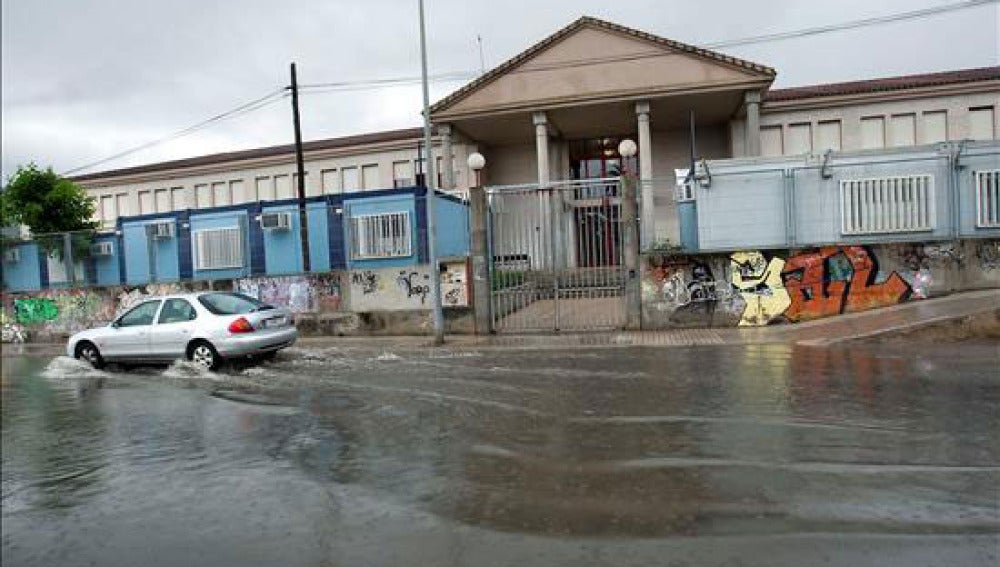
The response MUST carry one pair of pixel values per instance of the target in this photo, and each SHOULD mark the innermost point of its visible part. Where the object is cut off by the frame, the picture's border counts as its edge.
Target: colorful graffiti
(758, 281)
(300, 294)
(756, 288)
(35, 310)
(835, 280)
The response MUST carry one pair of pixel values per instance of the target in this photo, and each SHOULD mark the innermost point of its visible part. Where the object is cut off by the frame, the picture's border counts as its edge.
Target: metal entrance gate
(556, 257)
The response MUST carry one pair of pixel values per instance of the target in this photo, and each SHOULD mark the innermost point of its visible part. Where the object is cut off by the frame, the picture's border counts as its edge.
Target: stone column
(448, 175)
(647, 216)
(479, 248)
(542, 146)
(630, 255)
(752, 101)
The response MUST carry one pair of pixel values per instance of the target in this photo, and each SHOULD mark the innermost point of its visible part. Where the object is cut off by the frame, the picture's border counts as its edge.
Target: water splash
(63, 367)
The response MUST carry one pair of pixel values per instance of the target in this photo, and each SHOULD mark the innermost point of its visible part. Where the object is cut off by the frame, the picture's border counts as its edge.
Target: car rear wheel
(204, 354)
(88, 352)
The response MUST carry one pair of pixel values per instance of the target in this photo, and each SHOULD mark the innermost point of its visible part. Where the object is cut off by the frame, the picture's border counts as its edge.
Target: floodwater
(731, 456)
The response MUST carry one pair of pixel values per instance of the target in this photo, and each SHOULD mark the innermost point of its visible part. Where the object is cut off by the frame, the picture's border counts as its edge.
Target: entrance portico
(595, 81)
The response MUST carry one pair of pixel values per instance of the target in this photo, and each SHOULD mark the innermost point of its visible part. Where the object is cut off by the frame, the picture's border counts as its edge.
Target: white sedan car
(203, 327)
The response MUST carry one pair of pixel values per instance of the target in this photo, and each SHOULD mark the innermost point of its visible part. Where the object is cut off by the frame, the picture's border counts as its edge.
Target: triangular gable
(616, 62)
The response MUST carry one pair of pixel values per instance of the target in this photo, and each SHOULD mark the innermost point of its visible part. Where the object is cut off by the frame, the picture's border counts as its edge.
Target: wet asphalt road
(760, 455)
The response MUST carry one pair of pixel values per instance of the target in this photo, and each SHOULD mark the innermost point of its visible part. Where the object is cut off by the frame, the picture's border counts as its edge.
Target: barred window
(380, 236)
(218, 248)
(887, 204)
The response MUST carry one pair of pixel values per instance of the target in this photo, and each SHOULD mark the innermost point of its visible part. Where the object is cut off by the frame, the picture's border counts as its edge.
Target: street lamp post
(479, 247)
(630, 245)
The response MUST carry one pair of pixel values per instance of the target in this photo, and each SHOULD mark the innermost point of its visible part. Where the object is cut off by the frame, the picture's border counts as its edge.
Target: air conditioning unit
(102, 249)
(276, 221)
(162, 230)
(12, 255)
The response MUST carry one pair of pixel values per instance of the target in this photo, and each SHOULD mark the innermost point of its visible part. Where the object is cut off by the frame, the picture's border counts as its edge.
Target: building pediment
(593, 61)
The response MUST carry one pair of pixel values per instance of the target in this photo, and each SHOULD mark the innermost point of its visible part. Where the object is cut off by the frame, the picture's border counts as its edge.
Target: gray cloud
(83, 80)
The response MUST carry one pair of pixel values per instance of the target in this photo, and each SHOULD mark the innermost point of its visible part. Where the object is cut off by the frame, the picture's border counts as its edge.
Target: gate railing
(556, 260)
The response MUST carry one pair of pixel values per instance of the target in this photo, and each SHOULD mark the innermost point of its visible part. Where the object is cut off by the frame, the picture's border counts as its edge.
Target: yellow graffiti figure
(759, 283)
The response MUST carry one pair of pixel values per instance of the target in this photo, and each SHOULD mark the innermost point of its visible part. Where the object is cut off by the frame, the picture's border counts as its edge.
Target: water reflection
(619, 444)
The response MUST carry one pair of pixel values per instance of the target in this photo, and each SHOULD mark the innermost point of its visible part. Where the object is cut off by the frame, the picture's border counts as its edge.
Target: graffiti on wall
(455, 285)
(838, 279)
(758, 281)
(300, 294)
(397, 289)
(367, 280)
(35, 310)
(988, 255)
(758, 288)
(414, 284)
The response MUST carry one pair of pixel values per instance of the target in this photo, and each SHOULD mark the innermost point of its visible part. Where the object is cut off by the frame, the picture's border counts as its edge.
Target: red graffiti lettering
(819, 286)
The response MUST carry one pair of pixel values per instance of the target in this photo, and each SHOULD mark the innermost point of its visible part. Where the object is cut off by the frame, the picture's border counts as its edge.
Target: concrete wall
(753, 288)
(387, 301)
(850, 113)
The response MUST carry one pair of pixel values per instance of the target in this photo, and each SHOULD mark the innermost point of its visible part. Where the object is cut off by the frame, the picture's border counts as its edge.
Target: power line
(902, 16)
(346, 86)
(245, 108)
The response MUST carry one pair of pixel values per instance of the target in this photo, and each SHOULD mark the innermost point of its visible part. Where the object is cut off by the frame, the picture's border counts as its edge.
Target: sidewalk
(822, 332)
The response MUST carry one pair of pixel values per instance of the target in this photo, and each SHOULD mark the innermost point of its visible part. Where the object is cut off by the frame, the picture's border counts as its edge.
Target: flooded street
(732, 456)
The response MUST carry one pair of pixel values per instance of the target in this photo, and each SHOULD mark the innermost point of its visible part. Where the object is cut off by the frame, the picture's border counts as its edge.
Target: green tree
(45, 202)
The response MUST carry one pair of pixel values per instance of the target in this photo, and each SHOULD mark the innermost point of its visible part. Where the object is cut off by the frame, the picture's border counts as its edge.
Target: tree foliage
(45, 202)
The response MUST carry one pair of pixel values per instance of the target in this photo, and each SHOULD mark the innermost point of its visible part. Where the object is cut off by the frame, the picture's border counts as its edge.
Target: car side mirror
(115, 324)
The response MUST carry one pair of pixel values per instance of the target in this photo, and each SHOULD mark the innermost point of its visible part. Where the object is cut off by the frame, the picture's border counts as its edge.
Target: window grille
(882, 205)
(380, 236)
(987, 198)
(218, 248)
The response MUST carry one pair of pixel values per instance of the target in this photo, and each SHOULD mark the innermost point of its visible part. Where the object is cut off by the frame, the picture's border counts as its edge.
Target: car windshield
(232, 303)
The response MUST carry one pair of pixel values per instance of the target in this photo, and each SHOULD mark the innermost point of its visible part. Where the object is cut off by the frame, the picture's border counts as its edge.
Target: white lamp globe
(627, 148)
(476, 161)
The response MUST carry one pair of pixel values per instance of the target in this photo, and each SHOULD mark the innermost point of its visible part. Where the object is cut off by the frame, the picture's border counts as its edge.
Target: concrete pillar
(542, 146)
(448, 175)
(647, 216)
(68, 263)
(479, 248)
(630, 254)
(752, 101)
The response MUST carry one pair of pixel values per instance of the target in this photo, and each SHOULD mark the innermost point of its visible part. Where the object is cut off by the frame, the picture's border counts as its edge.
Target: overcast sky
(84, 79)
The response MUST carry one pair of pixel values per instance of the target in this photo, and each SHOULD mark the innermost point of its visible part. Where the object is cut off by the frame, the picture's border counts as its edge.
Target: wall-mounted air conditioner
(12, 256)
(102, 249)
(276, 221)
(162, 230)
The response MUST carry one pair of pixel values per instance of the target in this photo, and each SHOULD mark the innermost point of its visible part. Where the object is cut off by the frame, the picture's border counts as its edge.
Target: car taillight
(241, 325)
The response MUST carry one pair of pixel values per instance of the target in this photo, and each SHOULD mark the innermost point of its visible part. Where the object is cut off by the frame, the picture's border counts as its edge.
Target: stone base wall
(754, 288)
(392, 301)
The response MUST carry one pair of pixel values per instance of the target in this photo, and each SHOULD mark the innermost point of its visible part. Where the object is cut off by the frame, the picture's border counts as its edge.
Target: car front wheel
(88, 352)
(204, 354)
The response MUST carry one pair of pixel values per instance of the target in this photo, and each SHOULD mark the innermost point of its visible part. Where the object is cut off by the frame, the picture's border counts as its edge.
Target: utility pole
(300, 166)
(430, 194)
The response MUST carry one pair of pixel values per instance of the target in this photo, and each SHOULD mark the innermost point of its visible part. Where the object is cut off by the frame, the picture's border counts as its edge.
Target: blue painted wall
(229, 217)
(140, 250)
(106, 268)
(452, 228)
(283, 248)
(25, 274)
(687, 215)
(319, 241)
(397, 203)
